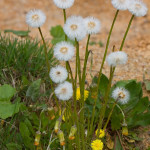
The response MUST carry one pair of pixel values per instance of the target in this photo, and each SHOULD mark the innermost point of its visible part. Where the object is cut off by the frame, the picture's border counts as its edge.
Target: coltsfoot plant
(80, 117)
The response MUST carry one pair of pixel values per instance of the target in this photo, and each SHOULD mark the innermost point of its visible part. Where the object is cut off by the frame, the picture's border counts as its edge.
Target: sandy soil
(137, 46)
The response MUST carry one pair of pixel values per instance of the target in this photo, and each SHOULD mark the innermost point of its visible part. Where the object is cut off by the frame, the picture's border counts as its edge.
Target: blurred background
(12, 16)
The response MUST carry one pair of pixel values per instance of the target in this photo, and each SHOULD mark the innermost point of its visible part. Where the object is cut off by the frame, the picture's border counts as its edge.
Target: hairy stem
(125, 35)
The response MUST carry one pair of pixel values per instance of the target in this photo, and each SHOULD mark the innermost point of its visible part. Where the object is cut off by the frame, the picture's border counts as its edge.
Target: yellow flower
(67, 115)
(78, 95)
(101, 133)
(97, 145)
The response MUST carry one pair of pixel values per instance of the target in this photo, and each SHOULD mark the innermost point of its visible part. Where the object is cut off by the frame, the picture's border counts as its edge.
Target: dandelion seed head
(63, 4)
(120, 4)
(121, 94)
(64, 51)
(74, 28)
(92, 25)
(58, 74)
(64, 91)
(35, 18)
(138, 8)
(117, 58)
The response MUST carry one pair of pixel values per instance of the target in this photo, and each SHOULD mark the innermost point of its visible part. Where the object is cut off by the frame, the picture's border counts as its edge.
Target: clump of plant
(86, 118)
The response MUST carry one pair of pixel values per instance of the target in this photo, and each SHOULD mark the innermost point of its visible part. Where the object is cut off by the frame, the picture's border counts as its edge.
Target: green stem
(106, 98)
(45, 50)
(84, 70)
(106, 49)
(100, 72)
(80, 81)
(64, 12)
(78, 61)
(124, 38)
(48, 65)
(110, 115)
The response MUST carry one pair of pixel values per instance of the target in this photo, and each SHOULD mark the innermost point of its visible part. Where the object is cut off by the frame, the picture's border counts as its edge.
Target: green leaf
(6, 92)
(103, 83)
(58, 35)
(139, 120)
(147, 84)
(29, 125)
(57, 31)
(24, 130)
(116, 119)
(13, 146)
(141, 106)
(44, 120)
(18, 33)
(25, 133)
(118, 144)
(34, 90)
(8, 110)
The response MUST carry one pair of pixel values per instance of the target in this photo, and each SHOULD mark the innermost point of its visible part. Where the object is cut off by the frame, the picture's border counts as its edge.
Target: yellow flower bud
(61, 138)
(57, 125)
(125, 130)
(73, 130)
(37, 138)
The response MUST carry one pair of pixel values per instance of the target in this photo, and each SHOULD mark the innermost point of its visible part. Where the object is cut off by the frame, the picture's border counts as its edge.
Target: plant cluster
(81, 117)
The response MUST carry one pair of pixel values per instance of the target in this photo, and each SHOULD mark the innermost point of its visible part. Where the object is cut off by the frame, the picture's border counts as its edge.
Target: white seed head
(64, 51)
(120, 4)
(58, 74)
(63, 4)
(64, 91)
(138, 8)
(117, 58)
(74, 28)
(121, 95)
(35, 18)
(92, 25)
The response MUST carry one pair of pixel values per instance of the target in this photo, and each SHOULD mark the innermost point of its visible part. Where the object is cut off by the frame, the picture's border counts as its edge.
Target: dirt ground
(137, 45)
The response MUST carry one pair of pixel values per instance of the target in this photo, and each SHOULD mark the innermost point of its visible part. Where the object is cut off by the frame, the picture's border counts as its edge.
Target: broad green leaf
(58, 35)
(29, 125)
(25, 133)
(6, 92)
(57, 31)
(24, 130)
(8, 110)
(139, 120)
(34, 90)
(13, 146)
(103, 83)
(147, 84)
(18, 33)
(141, 106)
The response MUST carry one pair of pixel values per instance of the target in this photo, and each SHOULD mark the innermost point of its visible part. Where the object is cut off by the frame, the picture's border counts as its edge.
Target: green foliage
(18, 33)
(136, 110)
(58, 34)
(23, 60)
(6, 92)
(33, 90)
(13, 146)
(7, 109)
